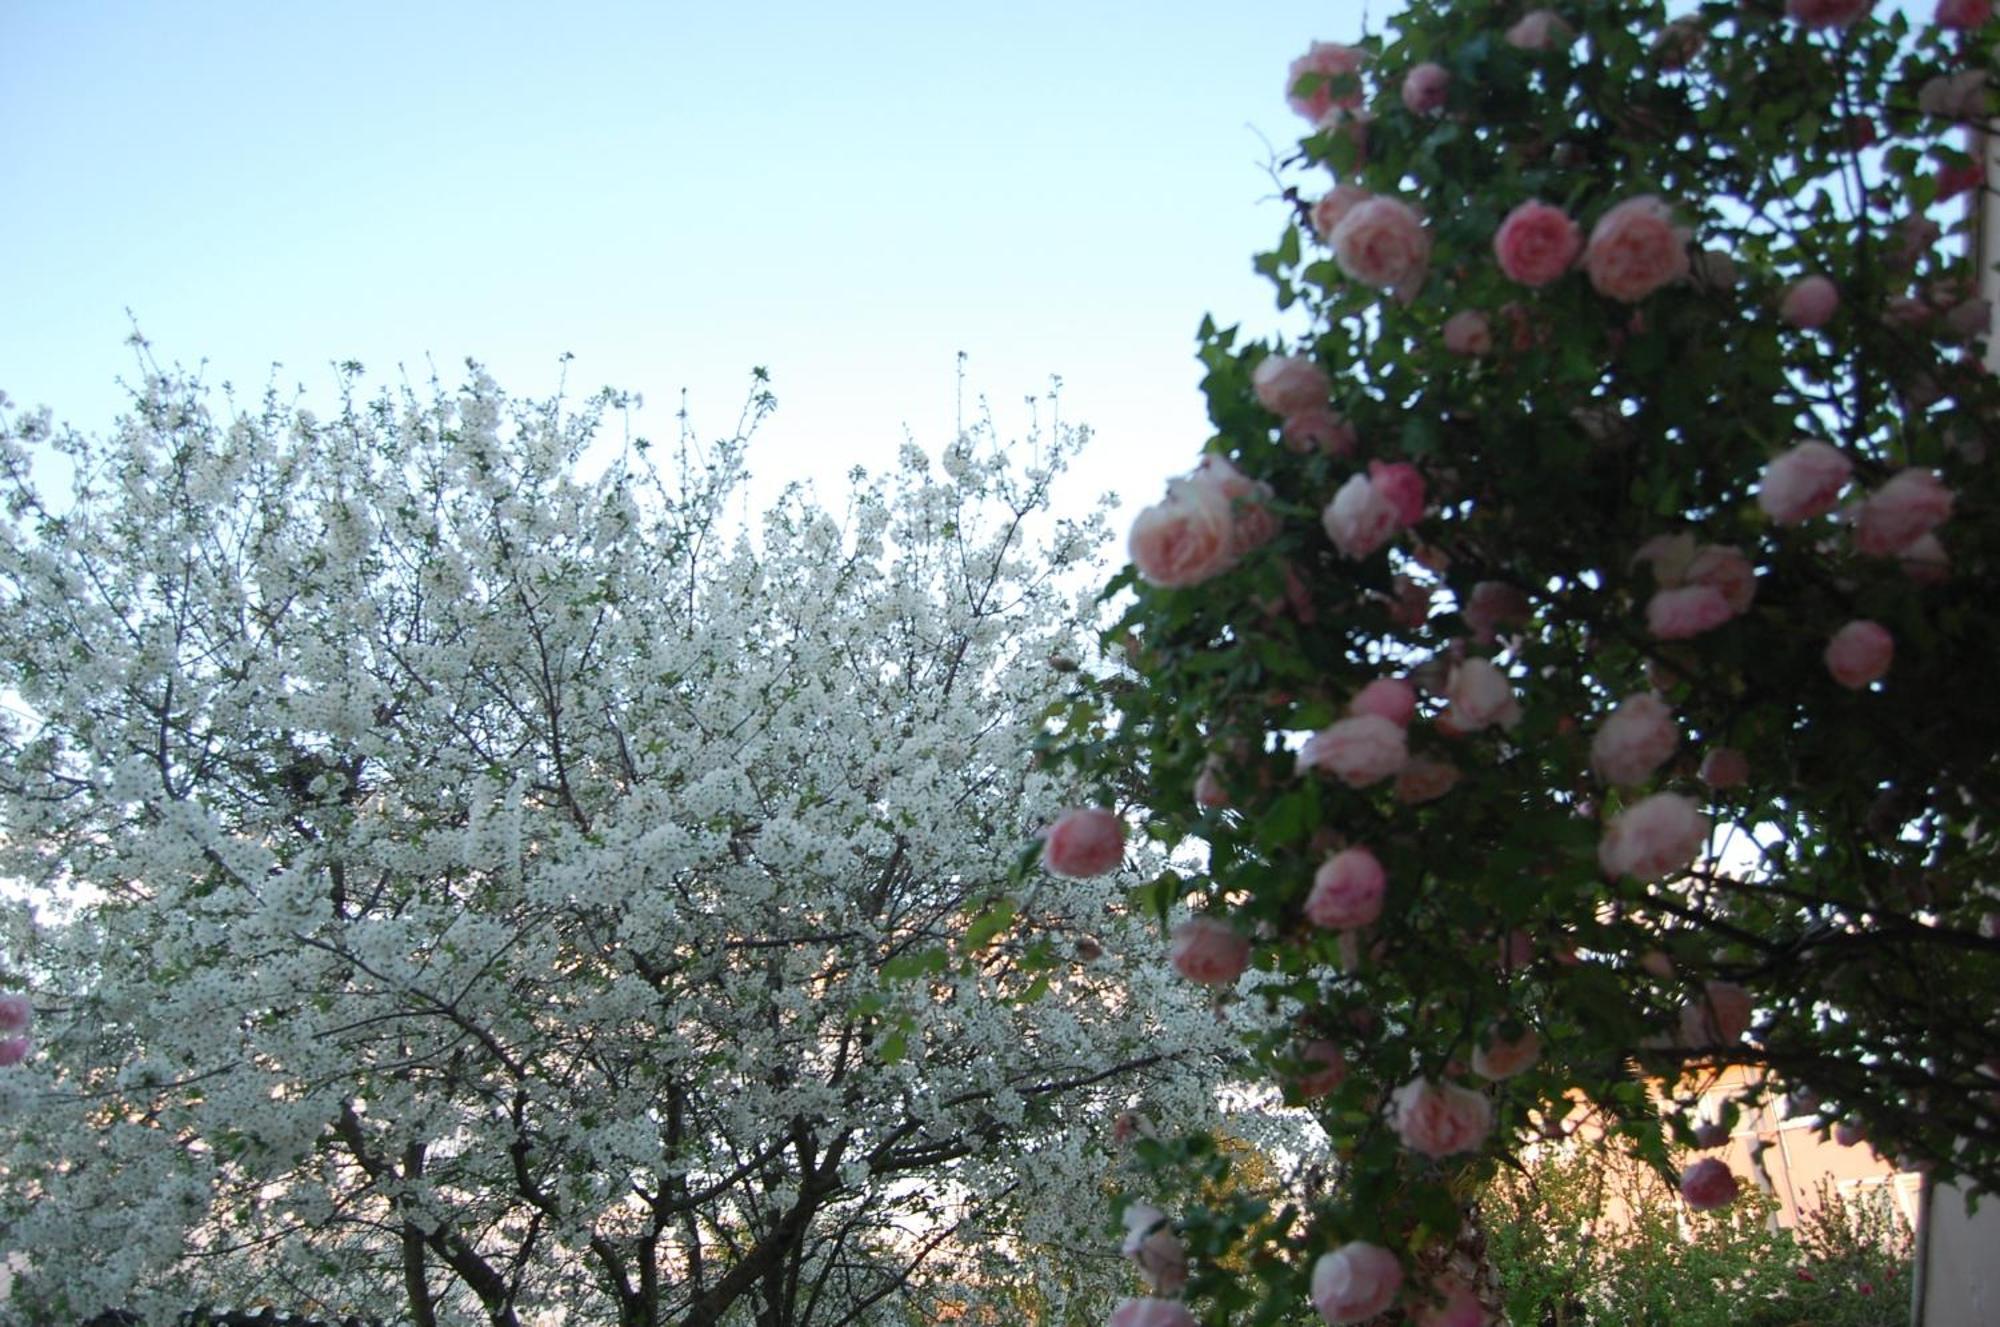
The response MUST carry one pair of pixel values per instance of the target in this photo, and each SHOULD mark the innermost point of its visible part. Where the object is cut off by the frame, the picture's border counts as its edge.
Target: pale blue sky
(674, 192)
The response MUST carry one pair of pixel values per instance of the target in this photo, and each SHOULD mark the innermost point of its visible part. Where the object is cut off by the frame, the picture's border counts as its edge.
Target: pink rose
(15, 1013)
(1358, 751)
(1468, 333)
(1319, 430)
(1331, 63)
(1424, 88)
(1653, 838)
(1187, 539)
(1361, 518)
(1382, 242)
(1725, 570)
(1209, 794)
(1634, 741)
(1964, 14)
(1401, 487)
(1151, 1243)
(1635, 249)
(1803, 483)
(1440, 1119)
(1450, 1304)
(1150, 1313)
(1719, 1018)
(1390, 697)
(1810, 303)
(1347, 891)
(1825, 13)
(1492, 605)
(14, 1050)
(1502, 1057)
(1537, 243)
(1327, 212)
(1724, 767)
(1425, 780)
(1330, 1072)
(1902, 511)
(1209, 951)
(1687, 611)
(1355, 1282)
(1084, 842)
(1480, 696)
(1540, 30)
(1290, 384)
(1859, 654)
(1707, 1185)
(1252, 523)
(1926, 562)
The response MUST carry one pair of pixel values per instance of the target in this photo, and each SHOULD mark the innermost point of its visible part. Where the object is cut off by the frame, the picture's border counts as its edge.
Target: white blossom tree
(461, 891)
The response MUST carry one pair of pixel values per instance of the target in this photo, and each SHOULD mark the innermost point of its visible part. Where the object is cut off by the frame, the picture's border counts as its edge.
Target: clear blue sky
(673, 192)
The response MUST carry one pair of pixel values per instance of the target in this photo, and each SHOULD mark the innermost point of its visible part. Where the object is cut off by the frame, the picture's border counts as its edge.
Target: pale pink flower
(1253, 524)
(1480, 696)
(1084, 842)
(1330, 1073)
(1150, 1242)
(1964, 14)
(1333, 64)
(1468, 333)
(1719, 1018)
(1860, 653)
(1540, 30)
(1803, 483)
(1653, 838)
(1382, 242)
(1186, 539)
(1425, 780)
(1440, 1119)
(1902, 511)
(1492, 605)
(14, 1050)
(1725, 570)
(1826, 13)
(1449, 1304)
(1724, 767)
(1290, 384)
(1326, 214)
(1810, 303)
(1391, 697)
(1707, 1185)
(1347, 891)
(1503, 1057)
(1635, 249)
(1358, 751)
(1634, 741)
(1361, 518)
(1926, 562)
(1355, 1282)
(1401, 486)
(1536, 243)
(1209, 951)
(1150, 1313)
(1687, 611)
(1424, 88)
(15, 1013)
(1319, 430)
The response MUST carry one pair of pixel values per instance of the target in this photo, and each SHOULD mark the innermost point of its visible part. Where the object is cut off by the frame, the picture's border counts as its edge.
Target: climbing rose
(1361, 518)
(1330, 1073)
(1327, 212)
(1150, 1313)
(1355, 1282)
(1964, 14)
(1707, 1185)
(1358, 751)
(1634, 249)
(1186, 539)
(1725, 570)
(1719, 1018)
(1401, 486)
(1319, 430)
(1653, 838)
(1502, 1057)
(1826, 13)
(1480, 696)
(1685, 611)
(1724, 767)
(15, 1013)
(1468, 333)
(1252, 523)
(1390, 697)
(14, 1050)
(1859, 654)
(1810, 303)
(1084, 842)
(1536, 243)
(1382, 242)
(1424, 88)
(1440, 1119)
(1151, 1243)
(1290, 384)
(1803, 483)
(1209, 951)
(1634, 741)
(1901, 512)
(1540, 30)
(1347, 891)
(1333, 63)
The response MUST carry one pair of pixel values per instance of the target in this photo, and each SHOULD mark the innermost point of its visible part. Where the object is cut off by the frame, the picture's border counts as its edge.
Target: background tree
(459, 888)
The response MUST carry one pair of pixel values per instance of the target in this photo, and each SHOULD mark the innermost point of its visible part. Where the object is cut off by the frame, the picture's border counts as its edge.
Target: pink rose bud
(1361, 518)
(1859, 653)
(1724, 767)
(1390, 697)
(1719, 1018)
(1440, 1119)
(1337, 67)
(1355, 1282)
(1449, 1304)
(1382, 242)
(1468, 333)
(1536, 243)
(1848, 1135)
(1635, 249)
(1707, 1185)
(1347, 891)
(1653, 838)
(1359, 751)
(14, 1050)
(1902, 511)
(1502, 1057)
(1290, 384)
(15, 1013)
(1425, 780)
(1319, 431)
(1480, 696)
(1424, 88)
(1084, 842)
(1540, 30)
(1209, 951)
(1328, 1069)
(1150, 1313)
(1634, 741)
(1810, 303)
(1964, 15)
(1187, 539)
(1150, 1242)
(1803, 483)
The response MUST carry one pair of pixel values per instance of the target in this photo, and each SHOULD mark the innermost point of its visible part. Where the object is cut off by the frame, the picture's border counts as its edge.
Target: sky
(848, 196)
